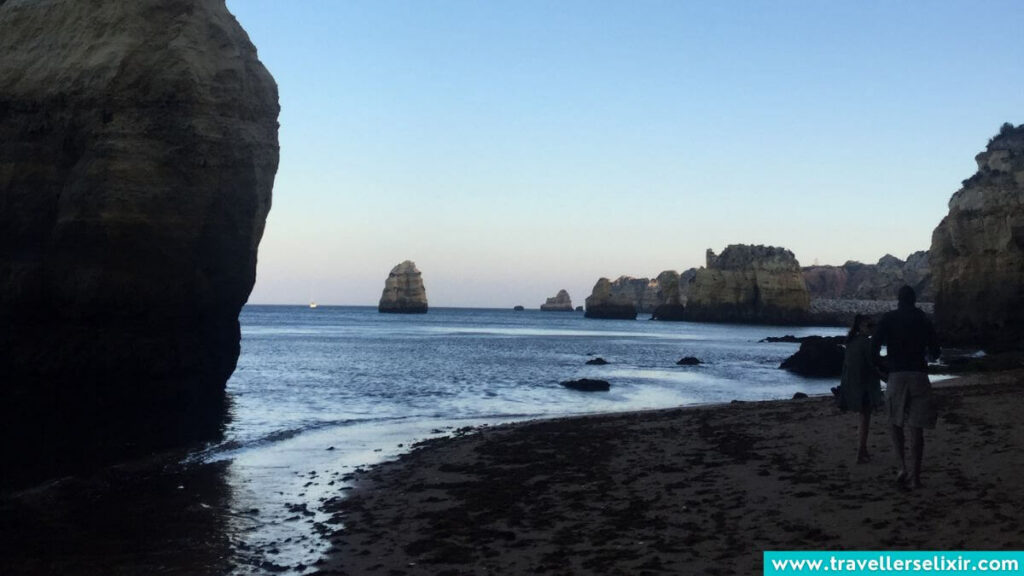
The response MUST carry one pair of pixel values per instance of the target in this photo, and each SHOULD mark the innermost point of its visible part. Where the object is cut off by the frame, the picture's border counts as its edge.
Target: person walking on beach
(860, 390)
(910, 338)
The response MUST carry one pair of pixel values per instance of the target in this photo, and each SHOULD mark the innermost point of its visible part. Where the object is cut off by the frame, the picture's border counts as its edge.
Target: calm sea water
(320, 392)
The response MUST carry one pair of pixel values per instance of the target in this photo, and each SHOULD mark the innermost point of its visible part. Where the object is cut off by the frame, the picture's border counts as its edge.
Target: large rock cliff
(561, 302)
(403, 291)
(977, 253)
(138, 147)
(881, 281)
(758, 284)
(615, 300)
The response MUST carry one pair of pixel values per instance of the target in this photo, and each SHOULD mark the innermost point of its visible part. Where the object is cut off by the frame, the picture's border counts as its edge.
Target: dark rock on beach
(587, 385)
(689, 361)
(818, 357)
(138, 148)
(597, 362)
(799, 396)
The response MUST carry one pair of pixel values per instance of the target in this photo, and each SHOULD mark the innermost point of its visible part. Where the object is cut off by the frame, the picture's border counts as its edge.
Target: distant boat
(312, 304)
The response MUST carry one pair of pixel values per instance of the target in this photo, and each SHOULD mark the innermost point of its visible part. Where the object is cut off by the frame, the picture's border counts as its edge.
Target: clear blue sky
(515, 148)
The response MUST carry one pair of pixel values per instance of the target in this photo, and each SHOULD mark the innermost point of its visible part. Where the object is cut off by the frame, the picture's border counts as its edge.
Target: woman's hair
(857, 321)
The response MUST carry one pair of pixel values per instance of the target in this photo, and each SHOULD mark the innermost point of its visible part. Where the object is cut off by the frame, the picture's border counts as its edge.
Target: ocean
(321, 392)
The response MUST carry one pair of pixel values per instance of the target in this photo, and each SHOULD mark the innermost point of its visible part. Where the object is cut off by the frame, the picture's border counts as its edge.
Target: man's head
(906, 296)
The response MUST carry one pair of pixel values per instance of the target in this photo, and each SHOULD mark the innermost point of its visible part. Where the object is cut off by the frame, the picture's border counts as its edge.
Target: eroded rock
(138, 148)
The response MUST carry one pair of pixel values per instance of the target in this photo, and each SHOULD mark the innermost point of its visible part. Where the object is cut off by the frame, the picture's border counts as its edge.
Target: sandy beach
(701, 490)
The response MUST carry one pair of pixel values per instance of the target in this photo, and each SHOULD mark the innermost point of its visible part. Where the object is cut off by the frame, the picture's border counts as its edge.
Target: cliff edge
(977, 253)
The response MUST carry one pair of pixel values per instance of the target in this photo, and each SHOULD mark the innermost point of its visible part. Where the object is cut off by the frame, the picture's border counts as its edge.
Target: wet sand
(687, 491)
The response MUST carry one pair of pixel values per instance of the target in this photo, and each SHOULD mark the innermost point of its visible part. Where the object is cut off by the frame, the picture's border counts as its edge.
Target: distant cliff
(558, 303)
(977, 252)
(758, 284)
(881, 281)
(403, 291)
(662, 297)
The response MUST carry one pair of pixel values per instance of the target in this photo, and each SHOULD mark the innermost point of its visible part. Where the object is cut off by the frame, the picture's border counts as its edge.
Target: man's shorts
(909, 400)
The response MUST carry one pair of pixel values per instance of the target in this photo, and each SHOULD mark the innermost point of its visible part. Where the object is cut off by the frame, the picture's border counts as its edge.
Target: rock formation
(661, 297)
(558, 303)
(977, 253)
(665, 297)
(614, 300)
(757, 284)
(403, 291)
(138, 147)
(818, 357)
(881, 281)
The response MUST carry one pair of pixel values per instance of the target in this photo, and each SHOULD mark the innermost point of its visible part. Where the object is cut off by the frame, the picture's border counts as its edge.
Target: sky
(512, 149)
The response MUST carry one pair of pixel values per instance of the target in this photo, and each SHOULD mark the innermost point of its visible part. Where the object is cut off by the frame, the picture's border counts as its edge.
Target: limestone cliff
(667, 300)
(403, 291)
(759, 284)
(138, 147)
(881, 281)
(615, 300)
(558, 303)
(977, 253)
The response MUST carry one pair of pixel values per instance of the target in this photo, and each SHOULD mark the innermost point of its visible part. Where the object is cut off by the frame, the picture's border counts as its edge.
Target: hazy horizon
(513, 150)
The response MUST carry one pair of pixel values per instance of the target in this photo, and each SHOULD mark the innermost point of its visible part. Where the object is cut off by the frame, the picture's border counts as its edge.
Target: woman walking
(860, 390)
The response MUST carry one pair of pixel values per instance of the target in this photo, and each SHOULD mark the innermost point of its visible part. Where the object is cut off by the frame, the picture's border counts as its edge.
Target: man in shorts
(910, 339)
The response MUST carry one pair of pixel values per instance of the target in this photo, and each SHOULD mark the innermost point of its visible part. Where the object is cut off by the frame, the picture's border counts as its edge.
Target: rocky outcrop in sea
(403, 291)
(558, 303)
(614, 300)
(977, 252)
(139, 147)
(881, 281)
(626, 297)
(757, 284)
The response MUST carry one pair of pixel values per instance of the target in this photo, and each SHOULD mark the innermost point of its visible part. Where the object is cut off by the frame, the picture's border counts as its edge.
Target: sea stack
(138, 148)
(403, 291)
(749, 284)
(977, 253)
(558, 303)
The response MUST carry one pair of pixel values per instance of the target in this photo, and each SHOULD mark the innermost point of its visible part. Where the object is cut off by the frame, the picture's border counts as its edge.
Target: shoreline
(701, 489)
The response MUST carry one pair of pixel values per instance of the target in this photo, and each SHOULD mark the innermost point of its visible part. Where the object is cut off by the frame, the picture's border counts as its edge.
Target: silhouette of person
(860, 390)
(910, 339)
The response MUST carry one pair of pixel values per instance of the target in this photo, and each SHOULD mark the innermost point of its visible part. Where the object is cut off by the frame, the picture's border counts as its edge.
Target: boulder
(587, 385)
(609, 300)
(977, 252)
(818, 357)
(519, 308)
(597, 362)
(558, 303)
(138, 148)
(403, 291)
(689, 361)
(749, 284)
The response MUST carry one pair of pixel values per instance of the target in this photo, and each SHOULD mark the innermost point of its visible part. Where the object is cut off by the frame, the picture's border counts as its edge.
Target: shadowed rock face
(403, 291)
(138, 147)
(561, 302)
(760, 284)
(977, 253)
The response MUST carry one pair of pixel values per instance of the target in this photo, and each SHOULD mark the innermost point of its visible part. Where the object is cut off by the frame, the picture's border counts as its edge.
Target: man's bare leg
(916, 455)
(897, 445)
